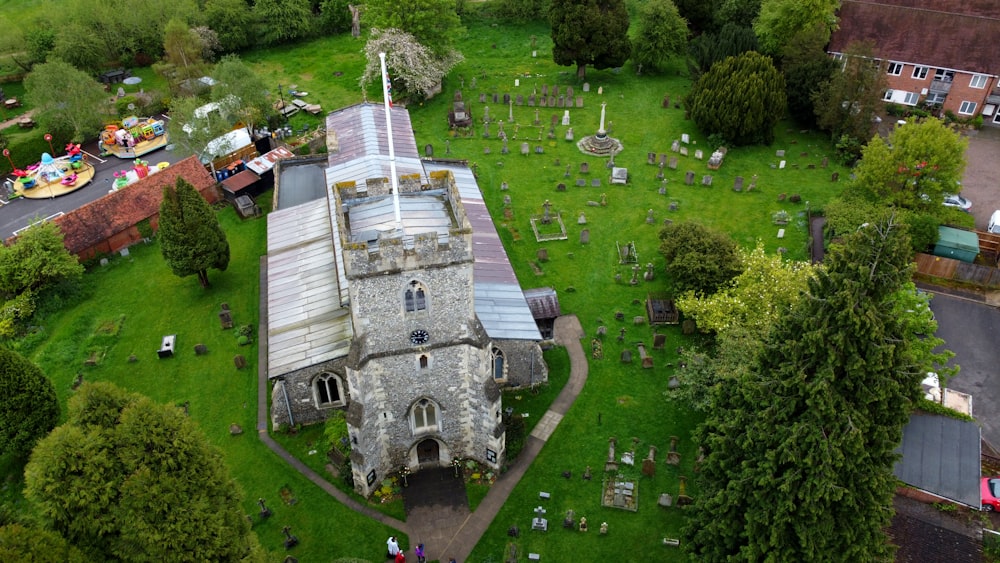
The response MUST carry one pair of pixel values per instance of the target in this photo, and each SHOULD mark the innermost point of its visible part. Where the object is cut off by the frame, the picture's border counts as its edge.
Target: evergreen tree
(740, 99)
(191, 239)
(848, 103)
(130, 480)
(699, 259)
(29, 409)
(589, 32)
(710, 48)
(661, 34)
(799, 450)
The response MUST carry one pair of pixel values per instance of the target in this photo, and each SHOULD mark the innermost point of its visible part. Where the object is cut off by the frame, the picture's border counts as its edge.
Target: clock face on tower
(419, 336)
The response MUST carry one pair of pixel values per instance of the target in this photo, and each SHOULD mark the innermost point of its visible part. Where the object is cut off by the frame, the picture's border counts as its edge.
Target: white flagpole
(392, 151)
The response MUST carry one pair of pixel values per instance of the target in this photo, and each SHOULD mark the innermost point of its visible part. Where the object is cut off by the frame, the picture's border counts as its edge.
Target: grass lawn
(142, 300)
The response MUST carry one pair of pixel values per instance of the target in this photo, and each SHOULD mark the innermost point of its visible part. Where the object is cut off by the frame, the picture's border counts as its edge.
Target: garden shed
(957, 244)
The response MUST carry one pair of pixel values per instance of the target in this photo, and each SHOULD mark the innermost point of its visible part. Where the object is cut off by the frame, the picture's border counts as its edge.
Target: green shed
(957, 244)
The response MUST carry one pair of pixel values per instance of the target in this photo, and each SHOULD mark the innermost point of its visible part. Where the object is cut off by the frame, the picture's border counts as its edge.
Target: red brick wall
(960, 89)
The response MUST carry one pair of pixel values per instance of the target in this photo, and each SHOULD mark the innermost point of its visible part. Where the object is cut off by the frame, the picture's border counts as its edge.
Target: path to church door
(428, 451)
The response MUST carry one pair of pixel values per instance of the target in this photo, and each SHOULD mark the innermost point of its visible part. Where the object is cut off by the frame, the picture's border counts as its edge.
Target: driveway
(981, 182)
(970, 330)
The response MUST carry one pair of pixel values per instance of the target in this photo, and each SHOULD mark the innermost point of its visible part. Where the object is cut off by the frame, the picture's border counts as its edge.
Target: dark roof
(940, 455)
(107, 216)
(953, 34)
(240, 180)
(543, 302)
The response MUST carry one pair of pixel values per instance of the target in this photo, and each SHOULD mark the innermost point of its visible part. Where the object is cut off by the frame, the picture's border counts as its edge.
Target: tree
(740, 99)
(128, 479)
(738, 12)
(799, 452)
(35, 262)
(283, 21)
(849, 102)
(433, 23)
(183, 55)
(191, 239)
(415, 70)
(522, 10)
(710, 48)
(21, 543)
(781, 20)
(589, 32)
(806, 66)
(700, 14)
(661, 34)
(754, 300)
(30, 408)
(69, 102)
(240, 92)
(233, 23)
(699, 259)
(920, 163)
(192, 127)
(335, 16)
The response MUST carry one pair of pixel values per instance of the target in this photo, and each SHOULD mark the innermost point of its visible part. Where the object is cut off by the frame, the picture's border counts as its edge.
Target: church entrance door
(428, 451)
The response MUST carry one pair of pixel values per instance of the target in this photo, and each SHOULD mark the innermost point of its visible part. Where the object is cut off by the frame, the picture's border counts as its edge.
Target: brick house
(109, 224)
(939, 53)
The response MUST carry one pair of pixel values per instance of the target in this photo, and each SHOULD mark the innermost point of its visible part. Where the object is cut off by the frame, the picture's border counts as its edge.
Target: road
(971, 329)
(19, 213)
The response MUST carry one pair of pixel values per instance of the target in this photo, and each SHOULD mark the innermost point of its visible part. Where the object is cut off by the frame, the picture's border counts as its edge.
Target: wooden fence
(946, 268)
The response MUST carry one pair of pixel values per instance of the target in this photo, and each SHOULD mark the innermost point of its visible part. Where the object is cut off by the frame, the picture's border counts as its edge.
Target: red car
(989, 489)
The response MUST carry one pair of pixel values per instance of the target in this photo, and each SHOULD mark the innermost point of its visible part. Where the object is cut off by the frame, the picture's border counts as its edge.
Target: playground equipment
(133, 137)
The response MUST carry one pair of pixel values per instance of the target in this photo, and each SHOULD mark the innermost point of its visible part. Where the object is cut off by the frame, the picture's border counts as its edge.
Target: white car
(956, 200)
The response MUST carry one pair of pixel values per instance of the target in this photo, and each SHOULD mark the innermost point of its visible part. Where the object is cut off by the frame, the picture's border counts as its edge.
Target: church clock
(419, 336)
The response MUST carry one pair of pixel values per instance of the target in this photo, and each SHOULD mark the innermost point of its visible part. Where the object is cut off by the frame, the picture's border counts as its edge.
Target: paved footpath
(447, 532)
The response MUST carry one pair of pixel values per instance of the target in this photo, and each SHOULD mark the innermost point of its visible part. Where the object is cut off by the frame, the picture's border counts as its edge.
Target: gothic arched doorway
(428, 451)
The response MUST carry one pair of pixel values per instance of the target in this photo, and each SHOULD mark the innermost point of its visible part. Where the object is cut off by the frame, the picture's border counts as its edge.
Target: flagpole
(387, 100)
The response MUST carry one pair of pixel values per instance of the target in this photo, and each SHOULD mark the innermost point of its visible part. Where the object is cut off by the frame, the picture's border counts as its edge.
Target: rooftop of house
(102, 218)
(950, 34)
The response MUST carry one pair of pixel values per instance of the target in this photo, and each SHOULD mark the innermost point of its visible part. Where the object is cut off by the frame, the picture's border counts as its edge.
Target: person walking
(419, 552)
(392, 548)
(400, 557)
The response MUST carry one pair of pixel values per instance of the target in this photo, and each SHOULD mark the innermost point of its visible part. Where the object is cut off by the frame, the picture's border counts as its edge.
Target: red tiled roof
(103, 218)
(953, 34)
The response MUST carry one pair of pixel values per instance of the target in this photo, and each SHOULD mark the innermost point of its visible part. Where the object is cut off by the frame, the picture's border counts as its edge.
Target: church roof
(359, 146)
(499, 301)
(419, 213)
(305, 319)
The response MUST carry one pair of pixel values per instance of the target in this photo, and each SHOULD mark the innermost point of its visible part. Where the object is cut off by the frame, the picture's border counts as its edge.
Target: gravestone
(706, 180)
(482, 98)
(567, 174)
(525, 149)
(666, 102)
(582, 220)
(496, 98)
(531, 101)
(539, 150)
(684, 151)
(659, 341)
(428, 150)
(738, 184)
(579, 101)
(569, 92)
(673, 456)
(651, 158)
(569, 134)
(595, 183)
(781, 165)
(560, 187)
(581, 183)
(200, 350)
(552, 101)
(662, 190)
(665, 500)
(506, 199)
(698, 154)
(506, 99)
(584, 168)
(685, 138)
(545, 89)
(503, 149)
(586, 86)
(543, 101)
(650, 219)
(803, 154)
(673, 163)
(565, 118)
(835, 176)
(585, 236)
(825, 162)
(626, 357)
(519, 100)
(675, 146)
(779, 154)
(486, 150)
(542, 255)
(555, 89)
(226, 319)
(239, 361)
(458, 96)
(600, 90)
(689, 177)
(663, 160)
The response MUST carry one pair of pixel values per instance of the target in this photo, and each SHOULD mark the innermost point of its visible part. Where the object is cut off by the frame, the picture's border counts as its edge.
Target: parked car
(989, 489)
(994, 225)
(956, 200)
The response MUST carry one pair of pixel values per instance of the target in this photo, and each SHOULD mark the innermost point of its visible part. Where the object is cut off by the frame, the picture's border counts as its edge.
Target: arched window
(415, 297)
(329, 390)
(424, 361)
(498, 364)
(424, 416)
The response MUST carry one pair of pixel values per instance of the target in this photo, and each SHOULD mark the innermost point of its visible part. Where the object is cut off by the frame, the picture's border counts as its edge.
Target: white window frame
(894, 69)
(911, 99)
(967, 108)
(920, 72)
(979, 81)
(887, 97)
(418, 417)
(324, 379)
(944, 75)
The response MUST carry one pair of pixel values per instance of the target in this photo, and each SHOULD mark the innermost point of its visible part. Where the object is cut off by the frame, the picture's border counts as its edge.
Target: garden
(623, 402)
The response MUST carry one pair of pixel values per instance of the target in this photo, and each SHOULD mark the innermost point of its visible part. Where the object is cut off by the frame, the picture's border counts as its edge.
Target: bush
(895, 110)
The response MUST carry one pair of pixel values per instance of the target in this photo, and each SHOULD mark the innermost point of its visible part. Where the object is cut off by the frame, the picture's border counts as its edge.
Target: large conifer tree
(191, 239)
(589, 32)
(799, 451)
(29, 409)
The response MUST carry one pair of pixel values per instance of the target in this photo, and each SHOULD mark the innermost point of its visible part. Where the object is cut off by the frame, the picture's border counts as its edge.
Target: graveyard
(579, 176)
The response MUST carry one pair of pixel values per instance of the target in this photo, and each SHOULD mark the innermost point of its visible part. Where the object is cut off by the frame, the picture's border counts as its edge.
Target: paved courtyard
(981, 182)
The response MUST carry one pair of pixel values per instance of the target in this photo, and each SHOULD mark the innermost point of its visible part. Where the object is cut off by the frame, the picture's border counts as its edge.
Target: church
(393, 301)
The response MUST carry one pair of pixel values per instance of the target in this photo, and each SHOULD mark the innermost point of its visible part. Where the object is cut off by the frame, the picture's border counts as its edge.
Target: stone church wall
(526, 366)
(301, 397)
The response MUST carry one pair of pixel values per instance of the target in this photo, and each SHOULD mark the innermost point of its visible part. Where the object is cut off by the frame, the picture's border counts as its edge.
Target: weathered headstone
(565, 118)
(738, 184)
(698, 154)
(569, 134)
(675, 146)
(689, 177)
(685, 138)
(545, 89)
(585, 236)
(552, 101)
(779, 153)
(581, 183)
(659, 341)
(543, 101)
(600, 90)
(519, 100)
(569, 92)
(651, 158)
(706, 180)
(586, 86)
(531, 101)
(584, 168)
(579, 101)
(626, 357)
(525, 149)
(239, 361)
(200, 349)
(595, 183)
(428, 150)
(542, 255)
(506, 99)
(506, 199)
(684, 151)
(835, 176)
(673, 163)
(496, 98)
(560, 187)
(781, 165)
(482, 98)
